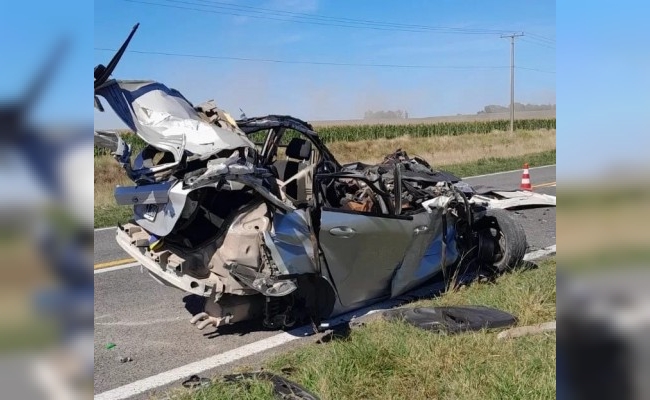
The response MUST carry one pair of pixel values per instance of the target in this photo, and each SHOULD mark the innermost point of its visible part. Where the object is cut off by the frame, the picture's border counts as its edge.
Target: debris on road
(516, 199)
(109, 346)
(195, 381)
(125, 359)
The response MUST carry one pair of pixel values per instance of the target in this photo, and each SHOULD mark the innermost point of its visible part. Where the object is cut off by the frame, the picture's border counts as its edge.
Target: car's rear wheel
(502, 240)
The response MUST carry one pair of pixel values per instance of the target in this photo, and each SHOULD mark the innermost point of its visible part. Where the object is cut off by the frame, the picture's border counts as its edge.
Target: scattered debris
(338, 332)
(125, 359)
(364, 320)
(110, 346)
(195, 381)
(516, 199)
(452, 319)
(282, 387)
(527, 330)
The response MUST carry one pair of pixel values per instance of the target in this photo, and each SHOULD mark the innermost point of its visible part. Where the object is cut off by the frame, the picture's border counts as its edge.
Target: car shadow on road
(237, 329)
(194, 305)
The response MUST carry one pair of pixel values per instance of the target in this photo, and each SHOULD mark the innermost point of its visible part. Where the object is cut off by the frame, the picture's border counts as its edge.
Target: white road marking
(164, 378)
(173, 375)
(117, 267)
(142, 323)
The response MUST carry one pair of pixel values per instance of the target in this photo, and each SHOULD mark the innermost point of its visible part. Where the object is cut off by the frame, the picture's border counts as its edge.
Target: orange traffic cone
(525, 179)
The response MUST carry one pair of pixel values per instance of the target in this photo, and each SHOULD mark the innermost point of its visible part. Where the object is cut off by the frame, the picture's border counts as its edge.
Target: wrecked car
(258, 217)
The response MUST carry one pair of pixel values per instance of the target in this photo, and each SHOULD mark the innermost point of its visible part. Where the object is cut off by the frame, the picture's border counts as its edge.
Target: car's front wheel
(502, 240)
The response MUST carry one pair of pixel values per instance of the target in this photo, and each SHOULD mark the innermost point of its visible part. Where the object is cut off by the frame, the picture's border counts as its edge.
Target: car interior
(298, 159)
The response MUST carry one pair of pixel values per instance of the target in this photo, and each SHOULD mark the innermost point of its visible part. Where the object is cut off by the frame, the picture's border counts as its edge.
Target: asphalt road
(539, 223)
(149, 322)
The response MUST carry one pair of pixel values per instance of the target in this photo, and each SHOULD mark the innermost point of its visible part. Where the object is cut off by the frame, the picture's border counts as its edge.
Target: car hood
(165, 119)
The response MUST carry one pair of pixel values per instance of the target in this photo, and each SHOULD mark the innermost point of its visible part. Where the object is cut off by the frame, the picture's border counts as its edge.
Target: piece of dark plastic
(452, 319)
(195, 381)
(283, 388)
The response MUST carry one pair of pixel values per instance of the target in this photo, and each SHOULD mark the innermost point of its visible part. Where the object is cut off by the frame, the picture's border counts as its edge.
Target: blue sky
(333, 92)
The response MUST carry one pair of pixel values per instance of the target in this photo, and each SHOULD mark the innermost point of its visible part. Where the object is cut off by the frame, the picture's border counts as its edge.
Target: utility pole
(512, 77)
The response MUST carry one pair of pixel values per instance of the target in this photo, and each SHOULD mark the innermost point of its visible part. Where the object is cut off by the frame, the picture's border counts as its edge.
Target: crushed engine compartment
(413, 180)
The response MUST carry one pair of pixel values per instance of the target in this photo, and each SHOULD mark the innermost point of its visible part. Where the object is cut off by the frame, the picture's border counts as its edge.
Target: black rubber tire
(512, 245)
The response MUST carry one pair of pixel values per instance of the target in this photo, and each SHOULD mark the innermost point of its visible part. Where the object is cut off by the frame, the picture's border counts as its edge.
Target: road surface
(149, 322)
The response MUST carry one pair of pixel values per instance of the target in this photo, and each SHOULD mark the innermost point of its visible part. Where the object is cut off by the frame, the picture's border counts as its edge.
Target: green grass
(111, 215)
(137, 144)
(383, 360)
(497, 164)
(369, 132)
(250, 390)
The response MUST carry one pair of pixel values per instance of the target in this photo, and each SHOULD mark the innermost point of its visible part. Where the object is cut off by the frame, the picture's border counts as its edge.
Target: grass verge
(383, 360)
(109, 174)
(499, 164)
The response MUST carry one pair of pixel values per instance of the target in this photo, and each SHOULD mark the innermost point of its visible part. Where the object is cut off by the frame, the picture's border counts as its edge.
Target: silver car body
(363, 257)
(259, 218)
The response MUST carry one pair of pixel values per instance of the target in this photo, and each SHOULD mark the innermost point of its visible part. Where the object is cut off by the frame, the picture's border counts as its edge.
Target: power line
(535, 69)
(322, 20)
(265, 17)
(269, 60)
(541, 38)
(265, 11)
(538, 44)
(359, 21)
(386, 27)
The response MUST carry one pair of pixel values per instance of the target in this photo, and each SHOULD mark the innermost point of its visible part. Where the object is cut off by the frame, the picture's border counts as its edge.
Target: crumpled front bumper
(161, 265)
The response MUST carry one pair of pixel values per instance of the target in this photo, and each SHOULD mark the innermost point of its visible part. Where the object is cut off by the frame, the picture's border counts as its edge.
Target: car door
(426, 255)
(362, 251)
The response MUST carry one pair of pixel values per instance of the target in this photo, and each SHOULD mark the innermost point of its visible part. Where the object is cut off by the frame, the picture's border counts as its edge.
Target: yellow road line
(113, 263)
(547, 184)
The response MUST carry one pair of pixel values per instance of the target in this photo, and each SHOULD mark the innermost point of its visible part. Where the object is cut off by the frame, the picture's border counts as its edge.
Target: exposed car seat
(298, 153)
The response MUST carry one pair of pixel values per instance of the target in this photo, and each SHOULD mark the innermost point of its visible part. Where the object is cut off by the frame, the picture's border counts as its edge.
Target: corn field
(354, 133)
(371, 132)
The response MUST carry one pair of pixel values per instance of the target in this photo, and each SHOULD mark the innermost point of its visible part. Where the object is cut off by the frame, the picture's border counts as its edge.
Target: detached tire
(508, 236)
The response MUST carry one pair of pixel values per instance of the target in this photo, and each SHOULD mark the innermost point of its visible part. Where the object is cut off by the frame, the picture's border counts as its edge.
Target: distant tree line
(397, 114)
(518, 107)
